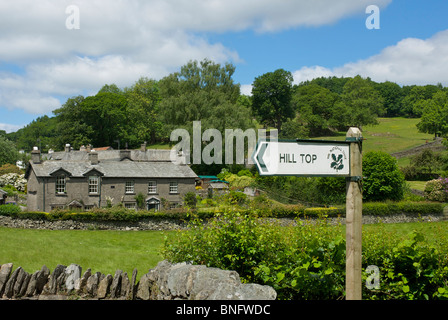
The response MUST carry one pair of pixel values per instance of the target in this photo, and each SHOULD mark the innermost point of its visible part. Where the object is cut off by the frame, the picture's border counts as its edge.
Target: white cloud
(246, 89)
(10, 127)
(119, 41)
(410, 61)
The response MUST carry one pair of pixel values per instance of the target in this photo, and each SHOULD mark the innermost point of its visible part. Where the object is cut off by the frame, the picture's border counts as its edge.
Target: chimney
(83, 148)
(93, 157)
(143, 147)
(35, 155)
(67, 147)
(125, 154)
(89, 147)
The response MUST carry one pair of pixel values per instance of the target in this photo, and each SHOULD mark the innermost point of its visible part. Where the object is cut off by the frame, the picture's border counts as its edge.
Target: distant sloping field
(390, 135)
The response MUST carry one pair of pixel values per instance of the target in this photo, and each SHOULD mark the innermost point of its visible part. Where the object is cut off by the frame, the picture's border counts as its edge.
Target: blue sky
(43, 62)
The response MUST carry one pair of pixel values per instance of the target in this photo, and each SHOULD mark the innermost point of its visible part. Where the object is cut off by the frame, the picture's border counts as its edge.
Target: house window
(130, 205)
(152, 187)
(129, 188)
(93, 184)
(173, 187)
(61, 184)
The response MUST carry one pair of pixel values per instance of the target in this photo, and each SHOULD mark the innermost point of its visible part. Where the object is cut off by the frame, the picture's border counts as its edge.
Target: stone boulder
(197, 282)
(73, 274)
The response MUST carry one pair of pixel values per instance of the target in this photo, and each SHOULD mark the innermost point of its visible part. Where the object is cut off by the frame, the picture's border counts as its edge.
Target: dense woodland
(149, 109)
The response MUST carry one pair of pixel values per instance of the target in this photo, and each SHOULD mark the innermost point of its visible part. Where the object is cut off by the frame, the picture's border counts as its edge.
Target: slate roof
(136, 155)
(77, 164)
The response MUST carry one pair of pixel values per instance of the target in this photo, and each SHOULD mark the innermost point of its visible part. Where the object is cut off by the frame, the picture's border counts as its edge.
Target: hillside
(391, 135)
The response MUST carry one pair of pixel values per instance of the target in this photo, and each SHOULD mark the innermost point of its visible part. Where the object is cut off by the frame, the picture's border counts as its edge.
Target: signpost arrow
(303, 157)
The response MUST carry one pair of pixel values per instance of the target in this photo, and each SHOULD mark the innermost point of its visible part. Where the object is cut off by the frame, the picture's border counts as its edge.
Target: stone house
(88, 178)
(3, 196)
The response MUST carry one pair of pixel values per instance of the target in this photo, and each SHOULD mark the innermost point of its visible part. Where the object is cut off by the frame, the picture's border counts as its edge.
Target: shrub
(14, 179)
(308, 261)
(190, 199)
(382, 178)
(9, 210)
(303, 262)
(9, 168)
(410, 269)
(437, 190)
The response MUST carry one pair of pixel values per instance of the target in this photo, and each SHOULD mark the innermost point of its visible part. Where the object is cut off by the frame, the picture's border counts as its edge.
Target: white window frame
(174, 187)
(61, 184)
(94, 183)
(129, 187)
(130, 205)
(152, 187)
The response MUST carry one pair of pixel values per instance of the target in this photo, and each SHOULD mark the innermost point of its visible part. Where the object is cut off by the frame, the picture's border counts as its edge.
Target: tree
(360, 103)
(106, 114)
(143, 112)
(71, 124)
(314, 105)
(40, 132)
(382, 180)
(435, 115)
(8, 152)
(271, 98)
(392, 96)
(415, 101)
(203, 92)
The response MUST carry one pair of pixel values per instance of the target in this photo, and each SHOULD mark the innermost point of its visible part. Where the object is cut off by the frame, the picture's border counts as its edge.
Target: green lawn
(100, 250)
(107, 251)
(418, 185)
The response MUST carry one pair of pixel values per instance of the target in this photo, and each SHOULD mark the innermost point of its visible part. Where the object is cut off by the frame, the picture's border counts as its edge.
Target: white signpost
(309, 158)
(325, 158)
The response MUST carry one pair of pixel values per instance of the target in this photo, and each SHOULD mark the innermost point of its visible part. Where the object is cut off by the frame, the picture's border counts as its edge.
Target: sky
(51, 50)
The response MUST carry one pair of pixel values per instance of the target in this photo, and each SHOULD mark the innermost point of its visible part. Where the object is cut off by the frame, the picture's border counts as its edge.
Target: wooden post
(353, 282)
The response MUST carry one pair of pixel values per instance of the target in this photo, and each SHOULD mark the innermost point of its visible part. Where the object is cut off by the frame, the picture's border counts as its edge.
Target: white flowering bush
(437, 190)
(16, 180)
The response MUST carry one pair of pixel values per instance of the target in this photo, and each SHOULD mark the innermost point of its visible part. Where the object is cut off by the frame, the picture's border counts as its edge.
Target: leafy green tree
(40, 132)
(71, 124)
(392, 96)
(415, 101)
(314, 105)
(271, 98)
(382, 180)
(143, 112)
(8, 151)
(434, 118)
(107, 117)
(360, 104)
(334, 84)
(203, 91)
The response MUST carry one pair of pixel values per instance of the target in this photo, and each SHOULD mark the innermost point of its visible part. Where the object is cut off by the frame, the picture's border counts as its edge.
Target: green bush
(190, 199)
(9, 210)
(410, 269)
(308, 261)
(382, 179)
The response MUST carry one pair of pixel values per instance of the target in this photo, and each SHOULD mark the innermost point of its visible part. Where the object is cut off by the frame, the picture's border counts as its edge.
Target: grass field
(100, 250)
(390, 135)
(107, 251)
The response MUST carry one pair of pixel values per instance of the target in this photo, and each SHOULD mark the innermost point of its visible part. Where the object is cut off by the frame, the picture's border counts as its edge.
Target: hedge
(277, 211)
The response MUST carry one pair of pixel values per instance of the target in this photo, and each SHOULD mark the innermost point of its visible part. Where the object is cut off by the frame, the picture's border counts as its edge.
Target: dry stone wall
(166, 281)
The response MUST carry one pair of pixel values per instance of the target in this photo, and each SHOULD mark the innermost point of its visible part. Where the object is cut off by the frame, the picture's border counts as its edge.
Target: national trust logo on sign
(338, 158)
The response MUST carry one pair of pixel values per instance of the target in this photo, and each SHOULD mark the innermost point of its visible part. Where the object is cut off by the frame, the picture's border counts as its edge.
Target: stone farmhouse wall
(165, 282)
